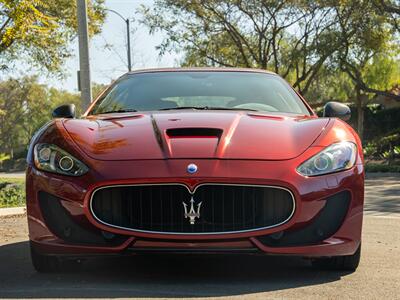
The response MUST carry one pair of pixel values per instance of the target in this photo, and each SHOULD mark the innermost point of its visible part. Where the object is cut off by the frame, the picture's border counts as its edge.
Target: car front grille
(222, 208)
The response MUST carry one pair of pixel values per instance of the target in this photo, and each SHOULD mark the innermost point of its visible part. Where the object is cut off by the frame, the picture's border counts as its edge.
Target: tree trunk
(360, 113)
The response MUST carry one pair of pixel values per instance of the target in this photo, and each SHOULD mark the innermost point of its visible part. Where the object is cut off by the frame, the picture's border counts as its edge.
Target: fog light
(107, 235)
(277, 235)
(67, 232)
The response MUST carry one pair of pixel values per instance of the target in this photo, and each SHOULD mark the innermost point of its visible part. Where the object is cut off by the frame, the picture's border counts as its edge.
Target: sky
(108, 58)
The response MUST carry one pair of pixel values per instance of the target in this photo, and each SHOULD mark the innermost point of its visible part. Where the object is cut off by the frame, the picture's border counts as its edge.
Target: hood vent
(194, 132)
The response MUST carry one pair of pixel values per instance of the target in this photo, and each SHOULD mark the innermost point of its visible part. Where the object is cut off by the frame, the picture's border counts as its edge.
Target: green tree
(22, 103)
(292, 38)
(392, 8)
(60, 97)
(368, 54)
(325, 49)
(25, 106)
(39, 31)
(97, 88)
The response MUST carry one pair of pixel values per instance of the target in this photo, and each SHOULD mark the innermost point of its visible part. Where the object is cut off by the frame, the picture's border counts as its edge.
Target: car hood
(194, 134)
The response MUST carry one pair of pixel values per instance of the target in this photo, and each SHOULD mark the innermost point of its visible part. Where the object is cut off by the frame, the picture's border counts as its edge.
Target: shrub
(386, 147)
(4, 156)
(7, 165)
(11, 165)
(20, 164)
(12, 193)
(373, 167)
(377, 122)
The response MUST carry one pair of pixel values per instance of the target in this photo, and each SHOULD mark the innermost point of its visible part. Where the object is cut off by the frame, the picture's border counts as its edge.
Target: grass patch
(12, 192)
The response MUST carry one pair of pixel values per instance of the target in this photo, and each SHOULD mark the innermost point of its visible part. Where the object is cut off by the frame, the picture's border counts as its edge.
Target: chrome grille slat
(158, 208)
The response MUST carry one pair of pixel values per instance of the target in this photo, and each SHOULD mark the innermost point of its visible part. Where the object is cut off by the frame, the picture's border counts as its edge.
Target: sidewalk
(12, 211)
(12, 175)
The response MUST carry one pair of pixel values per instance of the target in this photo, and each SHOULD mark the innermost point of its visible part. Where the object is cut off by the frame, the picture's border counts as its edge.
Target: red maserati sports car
(197, 160)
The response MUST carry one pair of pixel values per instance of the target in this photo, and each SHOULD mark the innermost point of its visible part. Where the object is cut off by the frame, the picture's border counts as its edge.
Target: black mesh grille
(224, 208)
(62, 224)
(324, 225)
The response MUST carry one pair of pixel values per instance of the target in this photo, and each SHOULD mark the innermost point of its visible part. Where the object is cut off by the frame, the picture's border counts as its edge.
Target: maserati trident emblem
(192, 214)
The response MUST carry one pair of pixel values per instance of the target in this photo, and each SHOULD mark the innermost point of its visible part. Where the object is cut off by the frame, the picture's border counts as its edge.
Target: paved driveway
(231, 276)
(382, 194)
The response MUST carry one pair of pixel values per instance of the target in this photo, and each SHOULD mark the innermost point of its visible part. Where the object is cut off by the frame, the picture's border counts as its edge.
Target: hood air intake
(194, 132)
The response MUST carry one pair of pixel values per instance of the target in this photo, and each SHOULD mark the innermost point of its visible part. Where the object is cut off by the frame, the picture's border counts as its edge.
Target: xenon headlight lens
(336, 157)
(53, 159)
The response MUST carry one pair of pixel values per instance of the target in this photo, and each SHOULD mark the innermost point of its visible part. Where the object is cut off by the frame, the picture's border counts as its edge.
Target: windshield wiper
(178, 108)
(118, 111)
(207, 108)
(229, 108)
(183, 107)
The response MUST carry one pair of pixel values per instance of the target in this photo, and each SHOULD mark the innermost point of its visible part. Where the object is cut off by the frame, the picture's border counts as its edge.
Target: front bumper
(305, 234)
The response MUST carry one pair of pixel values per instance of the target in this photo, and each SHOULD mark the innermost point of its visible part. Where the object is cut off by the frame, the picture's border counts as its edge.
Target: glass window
(201, 89)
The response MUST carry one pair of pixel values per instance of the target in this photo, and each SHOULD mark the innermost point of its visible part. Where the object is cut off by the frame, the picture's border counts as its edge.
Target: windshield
(200, 90)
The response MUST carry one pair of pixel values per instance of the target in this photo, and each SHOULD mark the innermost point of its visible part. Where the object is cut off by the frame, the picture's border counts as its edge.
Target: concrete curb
(12, 175)
(12, 211)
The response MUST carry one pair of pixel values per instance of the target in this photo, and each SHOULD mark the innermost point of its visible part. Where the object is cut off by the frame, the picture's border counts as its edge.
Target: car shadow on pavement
(156, 276)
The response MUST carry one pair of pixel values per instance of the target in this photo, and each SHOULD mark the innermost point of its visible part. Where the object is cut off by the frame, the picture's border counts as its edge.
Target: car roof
(200, 69)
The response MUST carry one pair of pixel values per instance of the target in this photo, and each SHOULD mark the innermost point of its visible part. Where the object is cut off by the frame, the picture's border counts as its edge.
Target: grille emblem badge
(192, 168)
(192, 214)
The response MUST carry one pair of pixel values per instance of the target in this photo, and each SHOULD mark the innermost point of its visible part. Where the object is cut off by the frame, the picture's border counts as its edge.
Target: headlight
(53, 159)
(336, 157)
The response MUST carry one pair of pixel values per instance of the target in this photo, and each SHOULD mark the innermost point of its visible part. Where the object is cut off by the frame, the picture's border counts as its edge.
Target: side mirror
(337, 110)
(64, 111)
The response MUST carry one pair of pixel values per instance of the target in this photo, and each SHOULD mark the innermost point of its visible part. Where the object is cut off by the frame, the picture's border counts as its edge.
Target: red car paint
(254, 148)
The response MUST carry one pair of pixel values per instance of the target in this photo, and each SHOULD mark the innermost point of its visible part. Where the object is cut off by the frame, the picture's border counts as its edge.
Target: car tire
(44, 263)
(339, 263)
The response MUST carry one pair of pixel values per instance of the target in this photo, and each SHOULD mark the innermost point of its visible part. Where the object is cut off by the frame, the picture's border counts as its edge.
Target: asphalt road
(192, 276)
